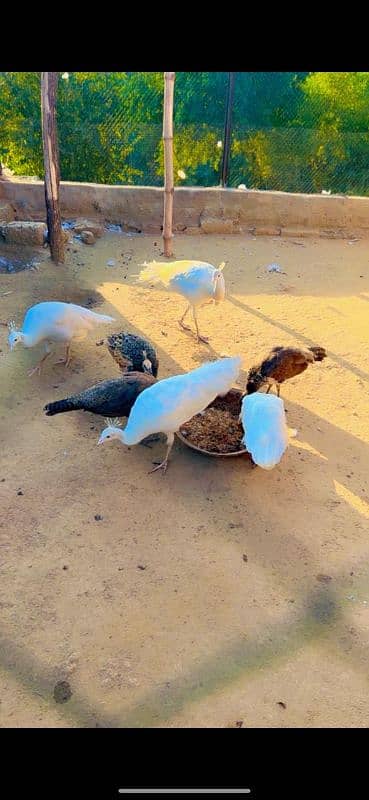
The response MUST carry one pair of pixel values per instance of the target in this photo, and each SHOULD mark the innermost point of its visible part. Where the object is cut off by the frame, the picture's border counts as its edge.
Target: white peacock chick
(197, 281)
(266, 434)
(53, 322)
(168, 404)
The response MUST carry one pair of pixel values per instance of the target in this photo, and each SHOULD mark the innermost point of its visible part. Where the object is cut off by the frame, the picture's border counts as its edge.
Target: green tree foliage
(335, 110)
(20, 122)
(291, 131)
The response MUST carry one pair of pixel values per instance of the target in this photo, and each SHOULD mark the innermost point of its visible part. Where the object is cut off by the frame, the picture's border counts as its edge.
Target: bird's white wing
(163, 272)
(158, 412)
(80, 318)
(49, 319)
(41, 320)
(168, 404)
(196, 284)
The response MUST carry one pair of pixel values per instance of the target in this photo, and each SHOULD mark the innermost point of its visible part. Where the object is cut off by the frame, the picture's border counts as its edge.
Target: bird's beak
(100, 440)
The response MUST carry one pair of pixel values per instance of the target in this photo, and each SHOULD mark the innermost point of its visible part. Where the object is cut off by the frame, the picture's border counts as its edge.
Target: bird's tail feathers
(221, 374)
(103, 318)
(157, 272)
(60, 406)
(91, 316)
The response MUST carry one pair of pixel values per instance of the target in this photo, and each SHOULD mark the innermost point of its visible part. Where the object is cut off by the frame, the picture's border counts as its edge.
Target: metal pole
(227, 130)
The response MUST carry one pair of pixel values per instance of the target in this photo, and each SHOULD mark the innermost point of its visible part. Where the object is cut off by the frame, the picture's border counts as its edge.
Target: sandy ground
(202, 636)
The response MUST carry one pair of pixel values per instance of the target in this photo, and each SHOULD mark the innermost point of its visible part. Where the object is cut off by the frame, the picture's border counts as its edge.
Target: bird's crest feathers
(113, 423)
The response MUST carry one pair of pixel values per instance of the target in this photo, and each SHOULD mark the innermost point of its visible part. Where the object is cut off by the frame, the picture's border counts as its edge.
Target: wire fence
(299, 132)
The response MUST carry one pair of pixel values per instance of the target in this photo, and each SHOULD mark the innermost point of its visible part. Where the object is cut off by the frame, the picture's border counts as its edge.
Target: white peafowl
(54, 322)
(266, 434)
(168, 404)
(199, 282)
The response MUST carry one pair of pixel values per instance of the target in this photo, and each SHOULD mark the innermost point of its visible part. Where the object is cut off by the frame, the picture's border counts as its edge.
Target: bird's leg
(273, 383)
(164, 464)
(37, 368)
(180, 321)
(67, 358)
(199, 337)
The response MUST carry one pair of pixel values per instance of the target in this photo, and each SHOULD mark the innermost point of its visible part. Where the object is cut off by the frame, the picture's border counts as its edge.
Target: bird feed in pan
(217, 429)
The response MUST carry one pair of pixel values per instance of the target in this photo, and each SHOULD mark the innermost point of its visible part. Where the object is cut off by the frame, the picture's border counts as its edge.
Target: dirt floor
(217, 595)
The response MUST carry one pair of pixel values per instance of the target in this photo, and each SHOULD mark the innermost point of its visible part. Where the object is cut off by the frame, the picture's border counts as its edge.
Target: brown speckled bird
(133, 353)
(281, 364)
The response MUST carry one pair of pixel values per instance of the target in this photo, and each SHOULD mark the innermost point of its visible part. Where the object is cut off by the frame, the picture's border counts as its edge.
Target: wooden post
(168, 162)
(227, 131)
(49, 86)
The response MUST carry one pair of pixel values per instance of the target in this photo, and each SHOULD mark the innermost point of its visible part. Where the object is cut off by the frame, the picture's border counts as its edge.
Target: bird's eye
(108, 437)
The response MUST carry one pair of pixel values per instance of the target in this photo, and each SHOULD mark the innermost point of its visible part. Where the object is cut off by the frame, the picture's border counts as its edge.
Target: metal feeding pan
(231, 402)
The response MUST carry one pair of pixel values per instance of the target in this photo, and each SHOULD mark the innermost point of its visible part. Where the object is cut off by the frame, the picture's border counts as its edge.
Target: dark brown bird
(113, 398)
(281, 364)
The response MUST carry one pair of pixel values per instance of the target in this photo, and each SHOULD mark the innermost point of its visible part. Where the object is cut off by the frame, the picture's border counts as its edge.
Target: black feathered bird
(113, 398)
(133, 353)
(281, 364)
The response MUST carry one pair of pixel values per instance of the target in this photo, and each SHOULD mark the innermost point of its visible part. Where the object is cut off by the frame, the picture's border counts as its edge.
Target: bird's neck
(130, 438)
(26, 339)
